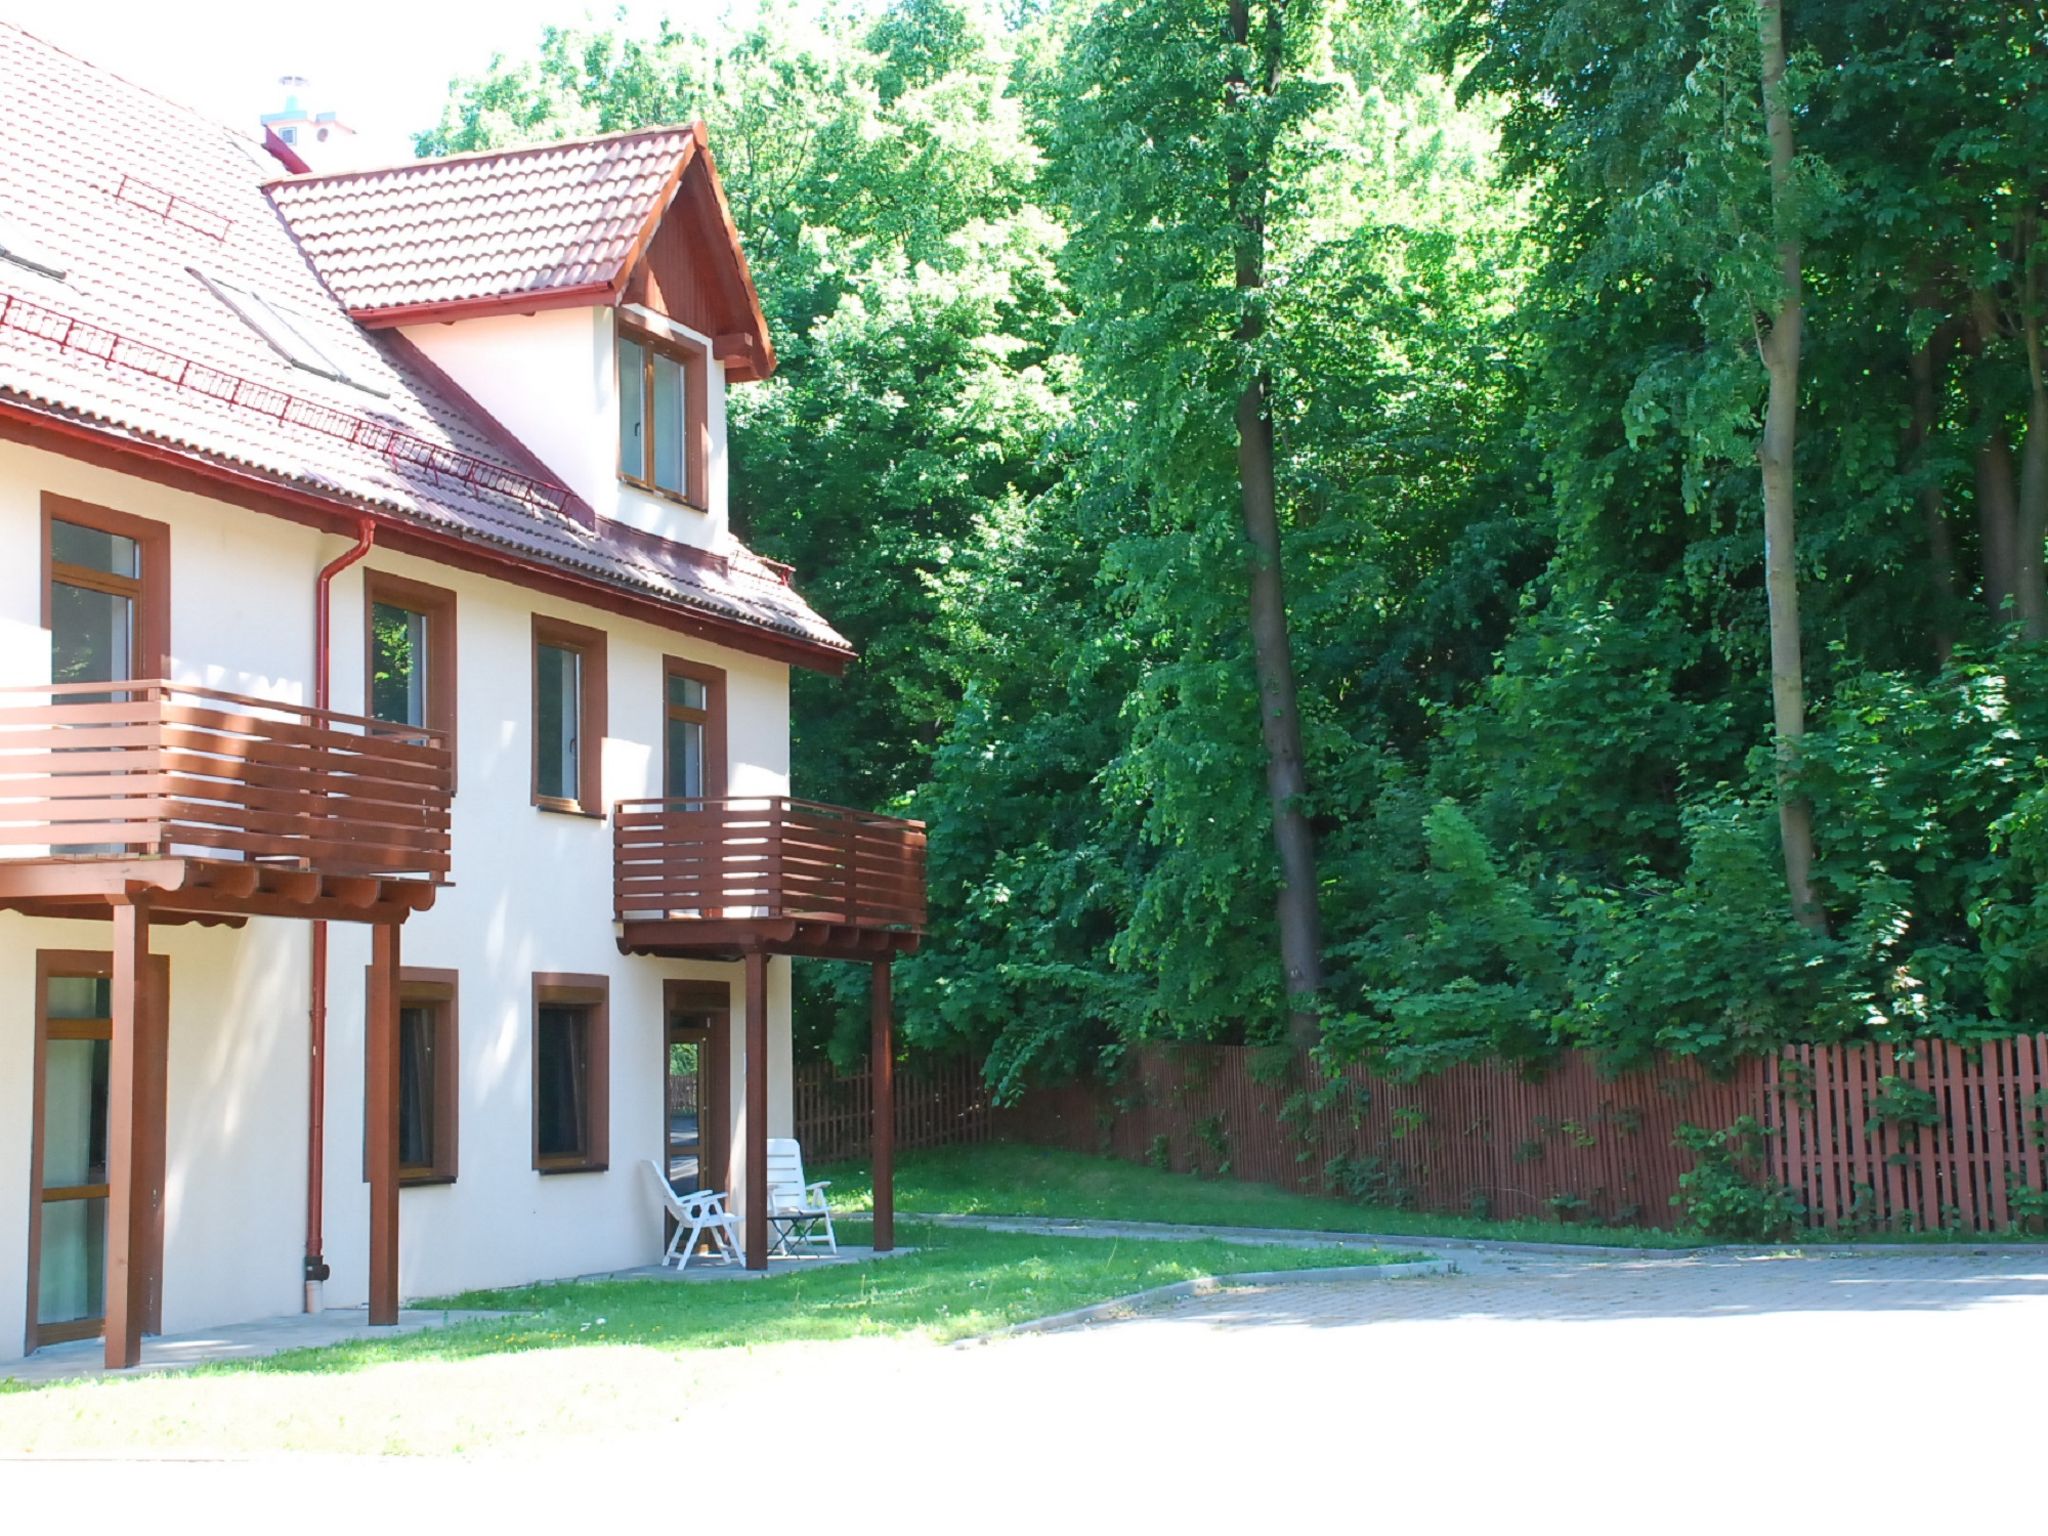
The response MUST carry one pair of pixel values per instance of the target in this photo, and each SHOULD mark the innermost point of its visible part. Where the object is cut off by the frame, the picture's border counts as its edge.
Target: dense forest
(1439, 527)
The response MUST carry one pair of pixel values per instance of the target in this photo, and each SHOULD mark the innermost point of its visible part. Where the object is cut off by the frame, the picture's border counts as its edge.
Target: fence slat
(1571, 1142)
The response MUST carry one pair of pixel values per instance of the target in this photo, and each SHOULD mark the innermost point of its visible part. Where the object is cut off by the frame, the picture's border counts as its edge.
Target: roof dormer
(635, 217)
(592, 295)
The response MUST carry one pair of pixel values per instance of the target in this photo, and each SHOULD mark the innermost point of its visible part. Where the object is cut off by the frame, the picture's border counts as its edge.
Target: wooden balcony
(214, 807)
(722, 878)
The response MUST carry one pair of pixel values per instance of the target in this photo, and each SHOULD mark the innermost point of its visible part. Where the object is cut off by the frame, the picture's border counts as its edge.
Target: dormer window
(661, 416)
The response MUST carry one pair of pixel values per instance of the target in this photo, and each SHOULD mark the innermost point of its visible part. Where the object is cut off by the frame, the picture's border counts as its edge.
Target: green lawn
(1006, 1179)
(607, 1356)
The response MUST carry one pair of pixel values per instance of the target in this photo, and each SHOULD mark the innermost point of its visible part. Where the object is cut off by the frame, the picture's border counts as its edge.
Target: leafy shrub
(1721, 1198)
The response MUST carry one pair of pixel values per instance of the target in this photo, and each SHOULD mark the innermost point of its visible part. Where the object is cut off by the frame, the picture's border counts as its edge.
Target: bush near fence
(1869, 1138)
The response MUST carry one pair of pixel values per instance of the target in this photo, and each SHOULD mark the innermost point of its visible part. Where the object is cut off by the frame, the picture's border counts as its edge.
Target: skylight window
(283, 333)
(15, 246)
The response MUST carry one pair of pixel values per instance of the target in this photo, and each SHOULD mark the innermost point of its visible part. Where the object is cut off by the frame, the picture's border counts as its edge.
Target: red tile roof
(546, 220)
(128, 276)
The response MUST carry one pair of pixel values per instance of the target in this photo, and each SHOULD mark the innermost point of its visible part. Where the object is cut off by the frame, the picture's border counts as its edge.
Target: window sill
(424, 1180)
(566, 808)
(695, 504)
(579, 1166)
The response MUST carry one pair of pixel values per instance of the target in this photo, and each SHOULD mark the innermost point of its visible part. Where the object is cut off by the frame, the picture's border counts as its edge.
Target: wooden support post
(756, 1070)
(882, 1093)
(133, 1067)
(380, 1124)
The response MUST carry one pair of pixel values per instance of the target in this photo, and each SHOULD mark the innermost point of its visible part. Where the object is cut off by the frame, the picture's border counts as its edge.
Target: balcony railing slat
(771, 858)
(165, 769)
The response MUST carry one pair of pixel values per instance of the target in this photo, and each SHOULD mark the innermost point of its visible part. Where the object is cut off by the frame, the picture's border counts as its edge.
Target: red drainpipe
(316, 1010)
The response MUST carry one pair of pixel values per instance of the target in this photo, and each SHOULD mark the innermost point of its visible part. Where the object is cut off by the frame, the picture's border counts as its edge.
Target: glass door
(697, 1029)
(70, 1263)
(685, 1105)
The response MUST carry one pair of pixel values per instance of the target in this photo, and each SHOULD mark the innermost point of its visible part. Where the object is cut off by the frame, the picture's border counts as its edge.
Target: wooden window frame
(151, 1115)
(695, 361)
(437, 605)
(150, 592)
(712, 719)
(591, 992)
(440, 986)
(594, 690)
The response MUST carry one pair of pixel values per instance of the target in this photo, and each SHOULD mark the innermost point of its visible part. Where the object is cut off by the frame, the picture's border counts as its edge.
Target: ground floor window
(571, 1073)
(429, 1077)
(429, 1089)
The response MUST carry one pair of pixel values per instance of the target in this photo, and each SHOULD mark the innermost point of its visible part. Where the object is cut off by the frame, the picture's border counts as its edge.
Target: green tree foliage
(1522, 260)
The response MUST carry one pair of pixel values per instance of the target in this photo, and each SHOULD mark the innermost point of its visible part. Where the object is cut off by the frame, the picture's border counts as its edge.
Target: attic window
(274, 326)
(662, 416)
(16, 247)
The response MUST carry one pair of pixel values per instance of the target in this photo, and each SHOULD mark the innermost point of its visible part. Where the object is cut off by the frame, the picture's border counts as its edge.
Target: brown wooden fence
(1880, 1138)
(1482, 1140)
(1866, 1136)
(942, 1103)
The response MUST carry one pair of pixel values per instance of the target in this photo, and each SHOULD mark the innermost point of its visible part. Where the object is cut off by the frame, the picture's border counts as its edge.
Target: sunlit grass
(1009, 1179)
(586, 1357)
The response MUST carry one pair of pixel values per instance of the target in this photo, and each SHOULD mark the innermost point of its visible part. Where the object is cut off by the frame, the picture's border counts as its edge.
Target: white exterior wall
(552, 379)
(532, 892)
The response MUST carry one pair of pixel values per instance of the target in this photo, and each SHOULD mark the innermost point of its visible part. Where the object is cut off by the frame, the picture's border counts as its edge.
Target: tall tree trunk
(2030, 576)
(1298, 909)
(1997, 521)
(1941, 553)
(1997, 495)
(1780, 346)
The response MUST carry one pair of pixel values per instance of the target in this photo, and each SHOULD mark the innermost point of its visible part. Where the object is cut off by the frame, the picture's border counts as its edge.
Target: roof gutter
(582, 296)
(316, 1000)
(283, 499)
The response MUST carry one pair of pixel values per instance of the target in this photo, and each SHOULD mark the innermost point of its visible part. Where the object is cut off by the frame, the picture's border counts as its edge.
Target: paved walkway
(1464, 1249)
(237, 1341)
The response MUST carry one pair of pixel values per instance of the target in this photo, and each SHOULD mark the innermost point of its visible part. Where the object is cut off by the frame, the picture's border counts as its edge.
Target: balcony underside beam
(204, 890)
(731, 938)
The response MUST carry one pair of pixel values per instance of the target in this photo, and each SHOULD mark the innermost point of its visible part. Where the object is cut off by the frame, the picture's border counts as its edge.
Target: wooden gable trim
(697, 219)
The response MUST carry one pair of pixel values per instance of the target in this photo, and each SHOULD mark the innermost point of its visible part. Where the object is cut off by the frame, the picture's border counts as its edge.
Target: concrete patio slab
(85, 1358)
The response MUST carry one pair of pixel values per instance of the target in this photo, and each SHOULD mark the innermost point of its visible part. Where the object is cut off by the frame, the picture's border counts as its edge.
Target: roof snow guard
(172, 208)
(401, 448)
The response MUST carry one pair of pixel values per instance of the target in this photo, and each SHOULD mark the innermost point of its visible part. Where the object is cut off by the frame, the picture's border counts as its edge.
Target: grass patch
(1007, 1179)
(607, 1356)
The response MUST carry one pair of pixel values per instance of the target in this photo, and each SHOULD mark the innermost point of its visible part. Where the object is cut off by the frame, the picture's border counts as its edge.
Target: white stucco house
(394, 737)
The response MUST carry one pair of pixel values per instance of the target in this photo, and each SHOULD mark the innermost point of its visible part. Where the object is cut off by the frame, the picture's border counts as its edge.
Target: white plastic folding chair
(701, 1213)
(796, 1206)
